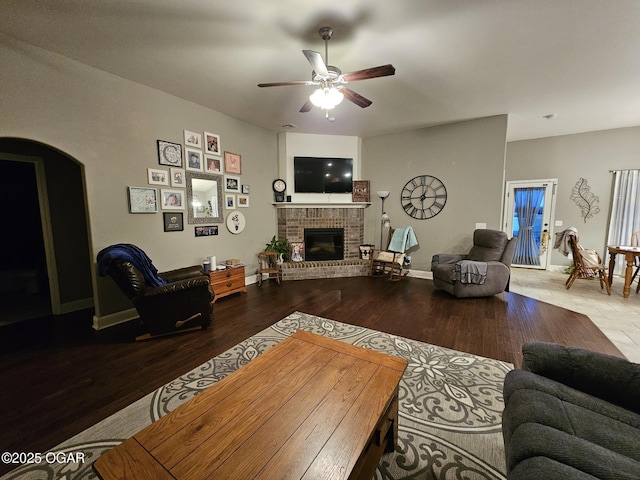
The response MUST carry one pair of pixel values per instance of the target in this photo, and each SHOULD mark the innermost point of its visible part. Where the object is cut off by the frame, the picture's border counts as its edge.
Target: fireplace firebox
(323, 244)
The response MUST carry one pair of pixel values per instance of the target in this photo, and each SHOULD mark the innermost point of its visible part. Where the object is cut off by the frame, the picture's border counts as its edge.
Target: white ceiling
(455, 59)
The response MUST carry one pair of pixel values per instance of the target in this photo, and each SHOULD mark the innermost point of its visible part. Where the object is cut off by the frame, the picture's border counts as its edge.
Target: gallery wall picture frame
(172, 199)
(143, 199)
(231, 183)
(192, 139)
(156, 176)
(169, 153)
(230, 202)
(243, 201)
(206, 231)
(212, 164)
(246, 189)
(173, 221)
(177, 177)
(212, 144)
(232, 163)
(193, 159)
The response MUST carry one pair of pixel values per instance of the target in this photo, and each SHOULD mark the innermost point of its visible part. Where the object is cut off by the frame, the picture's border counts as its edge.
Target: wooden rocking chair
(585, 268)
(386, 263)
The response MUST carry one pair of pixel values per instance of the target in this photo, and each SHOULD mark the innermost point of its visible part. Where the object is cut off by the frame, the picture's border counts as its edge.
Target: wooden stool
(268, 263)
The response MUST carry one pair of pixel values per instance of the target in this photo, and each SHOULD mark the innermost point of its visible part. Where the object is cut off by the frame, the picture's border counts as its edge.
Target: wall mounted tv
(322, 174)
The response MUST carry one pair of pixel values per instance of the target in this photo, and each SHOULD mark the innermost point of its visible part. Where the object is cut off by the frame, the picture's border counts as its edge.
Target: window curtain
(625, 212)
(527, 203)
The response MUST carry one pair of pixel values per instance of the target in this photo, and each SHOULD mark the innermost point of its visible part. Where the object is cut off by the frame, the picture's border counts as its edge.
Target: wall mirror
(204, 197)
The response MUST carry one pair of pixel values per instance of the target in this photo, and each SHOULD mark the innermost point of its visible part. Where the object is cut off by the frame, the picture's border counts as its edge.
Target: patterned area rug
(450, 407)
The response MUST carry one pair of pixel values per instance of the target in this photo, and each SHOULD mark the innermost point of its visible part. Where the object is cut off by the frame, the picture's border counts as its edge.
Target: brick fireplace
(294, 218)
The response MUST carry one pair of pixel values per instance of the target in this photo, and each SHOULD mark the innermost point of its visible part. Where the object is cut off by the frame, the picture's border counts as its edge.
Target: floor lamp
(384, 218)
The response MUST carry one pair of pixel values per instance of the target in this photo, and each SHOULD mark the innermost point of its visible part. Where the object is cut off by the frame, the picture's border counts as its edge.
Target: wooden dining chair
(635, 242)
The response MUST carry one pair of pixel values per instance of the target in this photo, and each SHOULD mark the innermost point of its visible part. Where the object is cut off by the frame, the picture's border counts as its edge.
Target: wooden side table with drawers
(227, 282)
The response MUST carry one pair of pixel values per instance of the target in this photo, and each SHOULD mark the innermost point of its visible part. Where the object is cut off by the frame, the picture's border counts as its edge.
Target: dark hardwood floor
(59, 377)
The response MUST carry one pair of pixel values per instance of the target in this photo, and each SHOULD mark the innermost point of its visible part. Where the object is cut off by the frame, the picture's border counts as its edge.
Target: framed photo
(297, 251)
(193, 159)
(245, 189)
(232, 163)
(157, 177)
(230, 202)
(361, 191)
(212, 143)
(231, 183)
(177, 177)
(243, 201)
(192, 139)
(169, 153)
(172, 199)
(143, 200)
(173, 222)
(206, 231)
(212, 164)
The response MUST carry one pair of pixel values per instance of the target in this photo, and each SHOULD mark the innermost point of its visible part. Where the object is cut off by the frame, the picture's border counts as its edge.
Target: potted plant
(281, 247)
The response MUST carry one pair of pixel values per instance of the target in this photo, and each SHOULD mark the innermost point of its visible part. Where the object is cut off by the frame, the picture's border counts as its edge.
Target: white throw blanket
(470, 271)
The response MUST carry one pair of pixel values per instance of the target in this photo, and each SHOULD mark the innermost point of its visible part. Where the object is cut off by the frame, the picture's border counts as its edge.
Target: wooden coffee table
(310, 407)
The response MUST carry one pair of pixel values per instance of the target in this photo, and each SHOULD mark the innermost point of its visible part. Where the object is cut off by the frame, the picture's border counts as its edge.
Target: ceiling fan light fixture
(326, 98)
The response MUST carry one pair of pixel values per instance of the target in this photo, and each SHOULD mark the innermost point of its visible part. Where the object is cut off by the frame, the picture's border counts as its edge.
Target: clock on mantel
(279, 186)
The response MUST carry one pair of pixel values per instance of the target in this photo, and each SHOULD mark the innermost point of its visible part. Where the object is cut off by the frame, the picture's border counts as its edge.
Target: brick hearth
(292, 220)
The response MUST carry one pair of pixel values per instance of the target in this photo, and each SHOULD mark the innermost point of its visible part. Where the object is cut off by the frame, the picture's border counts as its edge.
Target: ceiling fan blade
(374, 72)
(356, 98)
(284, 84)
(316, 61)
(306, 107)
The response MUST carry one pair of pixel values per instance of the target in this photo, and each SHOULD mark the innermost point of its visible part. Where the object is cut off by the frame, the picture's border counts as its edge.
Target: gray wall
(569, 158)
(469, 159)
(110, 126)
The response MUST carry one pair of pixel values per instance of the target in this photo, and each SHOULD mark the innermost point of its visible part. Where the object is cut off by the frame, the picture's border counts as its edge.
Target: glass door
(530, 206)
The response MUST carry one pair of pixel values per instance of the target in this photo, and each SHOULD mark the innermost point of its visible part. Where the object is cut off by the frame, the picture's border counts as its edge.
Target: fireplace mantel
(322, 205)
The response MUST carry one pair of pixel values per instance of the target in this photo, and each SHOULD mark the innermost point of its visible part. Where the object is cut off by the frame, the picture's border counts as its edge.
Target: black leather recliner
(183, 303)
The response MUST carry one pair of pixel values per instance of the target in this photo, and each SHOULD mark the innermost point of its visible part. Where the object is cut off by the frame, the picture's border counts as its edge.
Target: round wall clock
(279, 186)
(236, 222)
(423, 197)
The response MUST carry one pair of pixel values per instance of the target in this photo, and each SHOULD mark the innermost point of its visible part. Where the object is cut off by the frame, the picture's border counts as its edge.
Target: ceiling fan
(331, 81)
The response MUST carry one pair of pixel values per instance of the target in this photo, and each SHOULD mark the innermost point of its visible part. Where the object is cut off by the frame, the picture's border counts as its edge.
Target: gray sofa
(572, 414)
(494, 252)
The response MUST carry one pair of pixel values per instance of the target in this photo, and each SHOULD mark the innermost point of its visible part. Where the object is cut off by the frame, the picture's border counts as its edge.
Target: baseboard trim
(106, 321)
(76, 305)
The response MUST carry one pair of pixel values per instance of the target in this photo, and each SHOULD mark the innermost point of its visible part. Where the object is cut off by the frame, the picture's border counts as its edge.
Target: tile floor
(616, 316)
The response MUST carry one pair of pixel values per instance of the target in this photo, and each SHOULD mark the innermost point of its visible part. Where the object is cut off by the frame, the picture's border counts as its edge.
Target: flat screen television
(322, 174)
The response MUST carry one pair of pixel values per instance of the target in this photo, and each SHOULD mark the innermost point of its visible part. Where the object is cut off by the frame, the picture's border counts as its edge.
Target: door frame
(507, 221)
(45, 218)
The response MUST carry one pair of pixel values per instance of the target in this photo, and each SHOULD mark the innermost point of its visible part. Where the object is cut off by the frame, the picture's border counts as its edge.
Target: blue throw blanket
(133, 254)
(402, 240)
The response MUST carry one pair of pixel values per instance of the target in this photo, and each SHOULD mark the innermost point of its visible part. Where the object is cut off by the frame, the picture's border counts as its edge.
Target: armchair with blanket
(168, 302)
(483, 272)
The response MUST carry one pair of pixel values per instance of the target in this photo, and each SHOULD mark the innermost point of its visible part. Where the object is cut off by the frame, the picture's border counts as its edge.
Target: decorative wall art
(143, 200)
(230, 202)
(172, 199)
(212, 143)
(173, 222)
(169, 153)
(584, 199)
(361, 191)
(193, 159)
(192, 139)
(206, 231)
(235, 222)
(212, 164)
(232, 163)
(177, 177)
(157, 177)
(246, 189)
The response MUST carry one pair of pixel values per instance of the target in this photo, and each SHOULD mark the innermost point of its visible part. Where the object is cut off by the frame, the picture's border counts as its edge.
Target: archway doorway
(45, 264)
